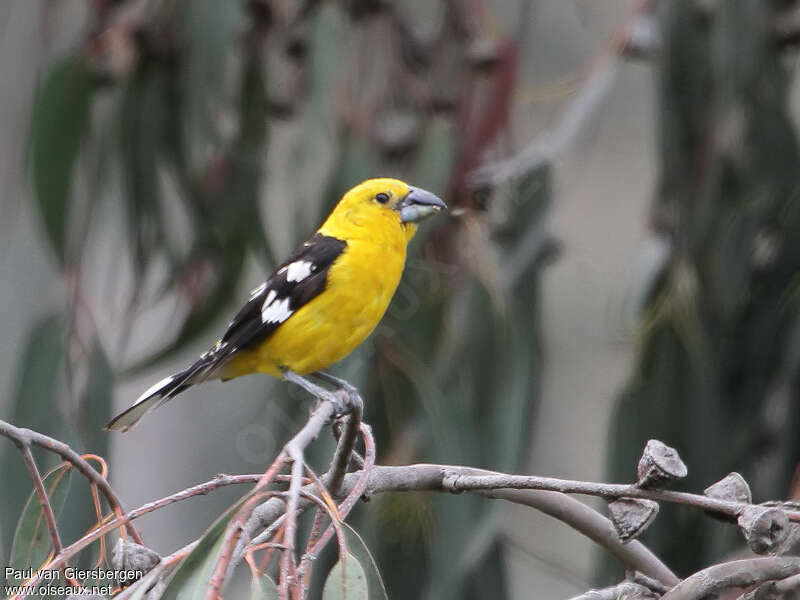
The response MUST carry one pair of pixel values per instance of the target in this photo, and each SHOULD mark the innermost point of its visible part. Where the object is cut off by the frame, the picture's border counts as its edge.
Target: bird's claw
(346, 400)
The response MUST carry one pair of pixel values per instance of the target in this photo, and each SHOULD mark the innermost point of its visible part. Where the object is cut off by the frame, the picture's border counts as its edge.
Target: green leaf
(190, 579)
(207, 37)
(95, 401)
(434, 160)
(263, 588)
(359, 550)
(205, 314)
(32, 545)
(346, 581)
(33, 406)
(59, 121)
(86, 434)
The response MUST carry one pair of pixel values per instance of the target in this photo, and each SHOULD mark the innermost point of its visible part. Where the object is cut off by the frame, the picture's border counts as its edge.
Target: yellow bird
(321, 302)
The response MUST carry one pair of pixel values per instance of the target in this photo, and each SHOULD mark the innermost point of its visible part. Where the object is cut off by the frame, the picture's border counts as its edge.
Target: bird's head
(385, 201)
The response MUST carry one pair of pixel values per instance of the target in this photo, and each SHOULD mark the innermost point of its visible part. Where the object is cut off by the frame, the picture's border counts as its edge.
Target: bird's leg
(346, 438)
(353, 398)
(339, 399)
(321, 393)
(344, 400)
(330, 402)
(345, 396)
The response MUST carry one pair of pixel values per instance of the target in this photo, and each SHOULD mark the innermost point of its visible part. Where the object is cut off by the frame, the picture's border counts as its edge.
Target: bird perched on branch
(321, 302)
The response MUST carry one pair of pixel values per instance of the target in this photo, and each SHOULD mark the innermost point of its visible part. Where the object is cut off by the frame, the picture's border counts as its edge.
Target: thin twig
(348, 503)
(41, 493)
(344, 449)
(27, 437)
(550, 144)
(294, 451)
(233, 534)
(632, 555)
(782, 589)
(734, 574)
(788, 585)
(157, 572)
(626, 589)
(68, 552)
(339, 464)
(598, 84)
(295, 448)
(458, 482)
(200, 489)
(430, 477)
(215, 584)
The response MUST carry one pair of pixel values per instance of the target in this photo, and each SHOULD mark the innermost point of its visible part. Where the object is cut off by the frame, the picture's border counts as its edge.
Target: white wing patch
(276, 311)
(270, 298)
(299, 270)
(258, 290)
(154, 389)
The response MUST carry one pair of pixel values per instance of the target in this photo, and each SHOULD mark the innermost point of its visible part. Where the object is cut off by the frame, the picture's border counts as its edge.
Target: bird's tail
(164, 390)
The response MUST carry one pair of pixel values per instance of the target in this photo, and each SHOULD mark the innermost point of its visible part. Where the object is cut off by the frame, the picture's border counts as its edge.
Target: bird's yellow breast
(360, 285)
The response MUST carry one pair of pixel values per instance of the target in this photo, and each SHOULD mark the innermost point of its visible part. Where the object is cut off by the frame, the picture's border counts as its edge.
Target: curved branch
(430, 477)
(776, 590)
(41, 493)
(632, 555)
(489, 481)
(25, 437)
(735, 574)
(626, 589)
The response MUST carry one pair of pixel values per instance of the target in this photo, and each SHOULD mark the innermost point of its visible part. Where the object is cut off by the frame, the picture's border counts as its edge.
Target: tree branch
(776, 590)
(25, 437)
(735, 574)
(41, 493)
(430, 477)
(626, 589)
(459, 482)
(635, 37)
(344, 449)
(295, 449)
(542, 493)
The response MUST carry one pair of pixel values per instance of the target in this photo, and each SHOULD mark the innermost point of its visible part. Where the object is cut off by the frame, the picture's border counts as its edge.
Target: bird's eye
(382, 198)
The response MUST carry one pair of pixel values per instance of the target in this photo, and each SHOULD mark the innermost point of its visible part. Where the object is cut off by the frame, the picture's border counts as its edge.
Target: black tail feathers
(164, 390)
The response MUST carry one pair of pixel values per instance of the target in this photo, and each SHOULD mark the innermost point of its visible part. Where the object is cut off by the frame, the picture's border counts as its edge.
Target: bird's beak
(418, 204)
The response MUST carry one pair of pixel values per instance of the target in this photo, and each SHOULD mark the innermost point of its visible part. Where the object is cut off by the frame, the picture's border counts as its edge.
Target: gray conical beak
(418, 205)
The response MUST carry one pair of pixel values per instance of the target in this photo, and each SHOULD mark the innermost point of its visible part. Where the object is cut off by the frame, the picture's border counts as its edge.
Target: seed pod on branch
(731, 488)
(766, 529)
(128, 556)
(631, 516)
(659, 465)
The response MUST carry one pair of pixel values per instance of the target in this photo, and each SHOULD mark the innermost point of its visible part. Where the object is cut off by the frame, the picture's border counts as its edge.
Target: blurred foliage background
(175, 150)
(717, 366)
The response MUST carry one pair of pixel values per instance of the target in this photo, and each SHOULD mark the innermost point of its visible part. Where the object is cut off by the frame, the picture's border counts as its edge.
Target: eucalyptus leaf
(145, 132)
(60, 119)
(206, 35)
(95, 401)
(190, 580)
(358, 549)
(263, 588)
(204, 316)
(34, 406)
(346, 581)
(32, 544)
(713, 362)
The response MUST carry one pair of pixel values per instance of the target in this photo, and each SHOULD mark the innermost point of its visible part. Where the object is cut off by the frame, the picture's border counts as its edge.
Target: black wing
(299, 279)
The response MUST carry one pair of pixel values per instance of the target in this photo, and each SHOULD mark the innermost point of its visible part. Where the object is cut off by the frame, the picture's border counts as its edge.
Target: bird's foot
(344, 398)
(349, 400)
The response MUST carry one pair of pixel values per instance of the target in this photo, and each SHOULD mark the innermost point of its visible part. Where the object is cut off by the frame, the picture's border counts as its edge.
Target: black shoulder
(300, 278)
